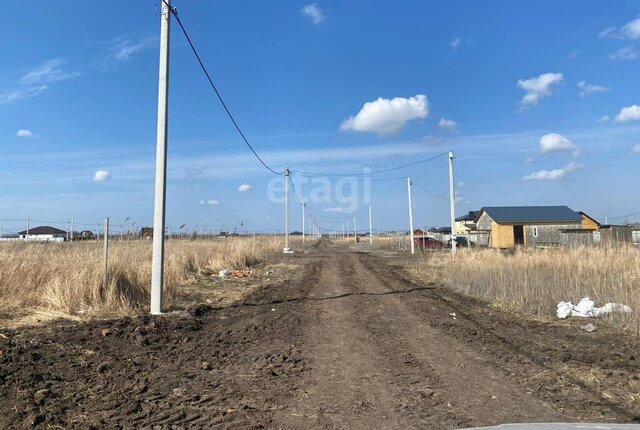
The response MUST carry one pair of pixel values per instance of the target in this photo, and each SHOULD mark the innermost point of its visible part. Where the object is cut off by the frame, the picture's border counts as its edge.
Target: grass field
(66, 279)
(534, 281)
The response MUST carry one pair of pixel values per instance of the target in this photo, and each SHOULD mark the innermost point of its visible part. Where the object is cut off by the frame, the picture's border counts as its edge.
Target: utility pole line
(413, 247)
(355, 231)
(370, 228)
(157, 263)
(105, 273)
(304, 215)
(286, 249)
(452, 202)
(72, 227)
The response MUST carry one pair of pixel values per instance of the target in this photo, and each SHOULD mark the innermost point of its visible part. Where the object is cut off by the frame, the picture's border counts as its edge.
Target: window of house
(535, 231)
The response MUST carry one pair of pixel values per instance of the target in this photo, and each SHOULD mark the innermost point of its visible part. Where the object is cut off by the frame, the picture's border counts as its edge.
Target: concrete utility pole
(355, 231)
(413, 247)
(72, 227)
(105, 276)
(286, 249)
(452, 202)
(27, 236)
(370, 228)
(304, 215)
(157, 263)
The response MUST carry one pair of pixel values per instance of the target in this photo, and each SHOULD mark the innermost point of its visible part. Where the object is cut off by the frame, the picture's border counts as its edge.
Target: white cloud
(604, 119)
(587, 89)
(552, 175)
(313, 12)
(245, 187)
(123, 47)
(37, 80)
(630, 30)
(607, 32)
(50, 71)
(447, 124)
(629, 113)
(25, 133)
(554, 142)
(539, 87)
(209, 202)
(385, 116)
(635, 149)
(433, 140)
(455, 43)
(101, 176)
(21, 93)
(625, 53)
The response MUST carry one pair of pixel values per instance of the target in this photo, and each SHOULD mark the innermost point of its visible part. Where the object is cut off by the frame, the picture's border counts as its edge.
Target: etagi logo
(347, 193)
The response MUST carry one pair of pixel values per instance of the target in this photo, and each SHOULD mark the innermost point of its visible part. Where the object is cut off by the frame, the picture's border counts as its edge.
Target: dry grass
(534, 281)
(66, 279)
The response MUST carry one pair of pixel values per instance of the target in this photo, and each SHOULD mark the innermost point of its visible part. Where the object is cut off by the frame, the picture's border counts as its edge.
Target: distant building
(511, 226)
(418, 232)
(85, 235)
(43, 233)
(466, 223)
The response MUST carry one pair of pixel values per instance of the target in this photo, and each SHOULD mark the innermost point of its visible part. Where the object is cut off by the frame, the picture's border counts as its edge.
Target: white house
(43, 233)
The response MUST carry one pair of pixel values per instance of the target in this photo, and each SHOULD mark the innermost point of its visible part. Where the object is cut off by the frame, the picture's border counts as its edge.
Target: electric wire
(174, 12)
(372, 172)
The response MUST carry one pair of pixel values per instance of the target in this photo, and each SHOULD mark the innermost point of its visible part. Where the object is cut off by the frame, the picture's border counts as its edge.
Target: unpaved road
(349, 342)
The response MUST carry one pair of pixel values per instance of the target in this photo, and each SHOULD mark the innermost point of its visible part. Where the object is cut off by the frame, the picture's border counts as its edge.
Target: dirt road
(349, 342)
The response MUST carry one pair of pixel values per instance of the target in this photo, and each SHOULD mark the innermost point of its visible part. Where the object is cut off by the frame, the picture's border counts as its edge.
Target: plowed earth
(350, 341)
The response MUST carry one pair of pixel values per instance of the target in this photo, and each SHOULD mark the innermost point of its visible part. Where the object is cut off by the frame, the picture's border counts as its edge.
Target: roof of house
(471, 216)
(43, 229)
(528, 214)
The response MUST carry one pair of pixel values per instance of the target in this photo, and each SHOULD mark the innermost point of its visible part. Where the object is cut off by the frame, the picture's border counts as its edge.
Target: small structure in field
(146, 233)
(511, 226)
(85, 235)
(43, 233)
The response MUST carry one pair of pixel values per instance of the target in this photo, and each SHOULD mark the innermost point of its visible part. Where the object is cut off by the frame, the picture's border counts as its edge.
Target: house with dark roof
(466, 223)
(511, 226)
(43, 233)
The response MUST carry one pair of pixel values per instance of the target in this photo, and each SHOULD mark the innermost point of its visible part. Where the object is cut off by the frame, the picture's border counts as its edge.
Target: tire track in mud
(349, 342)
(531, 353)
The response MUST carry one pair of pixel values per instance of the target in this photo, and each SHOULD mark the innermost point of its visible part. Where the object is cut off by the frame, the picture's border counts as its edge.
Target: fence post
(105, 279)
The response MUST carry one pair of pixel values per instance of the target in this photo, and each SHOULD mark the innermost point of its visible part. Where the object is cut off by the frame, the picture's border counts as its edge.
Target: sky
(538, 101)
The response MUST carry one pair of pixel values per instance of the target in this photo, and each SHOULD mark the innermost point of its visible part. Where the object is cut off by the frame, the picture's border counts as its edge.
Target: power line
(390, 169)
(338, 218)
(215, 89)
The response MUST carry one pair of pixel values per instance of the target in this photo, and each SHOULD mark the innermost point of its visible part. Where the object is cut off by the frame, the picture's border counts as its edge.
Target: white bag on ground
(586, 309)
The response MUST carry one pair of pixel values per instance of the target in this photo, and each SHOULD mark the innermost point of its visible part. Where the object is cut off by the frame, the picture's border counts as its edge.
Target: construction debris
(586, 309)
(588, 328)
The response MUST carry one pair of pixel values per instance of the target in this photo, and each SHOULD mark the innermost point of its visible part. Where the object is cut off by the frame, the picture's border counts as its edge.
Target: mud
(348, 341)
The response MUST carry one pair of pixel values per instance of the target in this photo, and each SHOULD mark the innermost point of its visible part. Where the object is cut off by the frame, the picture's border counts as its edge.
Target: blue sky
(539, 102)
